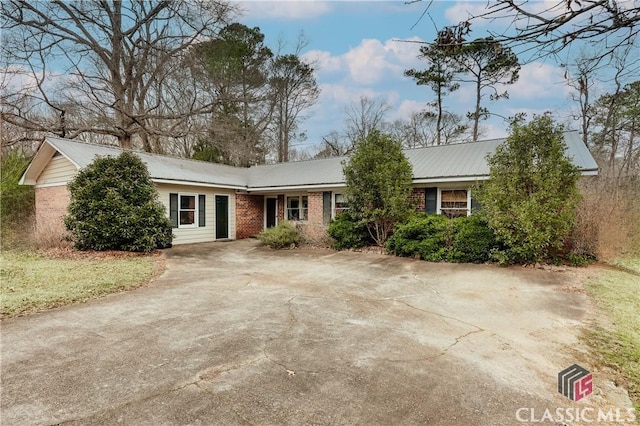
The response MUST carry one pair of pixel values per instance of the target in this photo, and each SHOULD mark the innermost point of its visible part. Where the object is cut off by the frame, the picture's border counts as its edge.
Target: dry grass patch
(615, 339)
(31, 281)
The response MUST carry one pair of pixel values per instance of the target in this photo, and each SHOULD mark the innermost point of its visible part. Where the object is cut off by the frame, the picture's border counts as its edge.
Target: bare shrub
(608, 218)
(48, 236)
(314, 236)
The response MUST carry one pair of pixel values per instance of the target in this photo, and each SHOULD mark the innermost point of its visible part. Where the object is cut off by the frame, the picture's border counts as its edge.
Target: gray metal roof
(466, 161)
(326, 171)
(160, 167)
(443, 163)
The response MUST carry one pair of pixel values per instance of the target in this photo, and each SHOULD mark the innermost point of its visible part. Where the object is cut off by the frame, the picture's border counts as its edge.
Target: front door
(271, 210)
(222, 217)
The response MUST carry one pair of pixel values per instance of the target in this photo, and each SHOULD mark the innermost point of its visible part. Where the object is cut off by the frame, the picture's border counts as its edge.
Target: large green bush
(532, 194)
(473, 240)
(436, 238)
(281, 236)
(348, 232)
(114, 206)
(425, 236)
(378, 177)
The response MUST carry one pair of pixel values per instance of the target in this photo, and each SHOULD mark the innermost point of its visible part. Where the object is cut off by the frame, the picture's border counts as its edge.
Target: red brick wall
(249, 215)
(51, 206)
(417, 196)
(315, 208)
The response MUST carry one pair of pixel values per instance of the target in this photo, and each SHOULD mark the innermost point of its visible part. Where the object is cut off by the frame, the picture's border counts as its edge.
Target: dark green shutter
(326, 207)
(173, 209)
(475, 205)
(431, 200)
(201, 209)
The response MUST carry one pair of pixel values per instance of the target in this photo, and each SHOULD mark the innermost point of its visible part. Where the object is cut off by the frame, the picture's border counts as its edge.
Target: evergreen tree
(531, 196)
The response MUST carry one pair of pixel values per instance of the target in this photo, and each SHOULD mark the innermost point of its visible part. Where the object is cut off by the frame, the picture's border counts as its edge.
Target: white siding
(59, 170)
(206, 233)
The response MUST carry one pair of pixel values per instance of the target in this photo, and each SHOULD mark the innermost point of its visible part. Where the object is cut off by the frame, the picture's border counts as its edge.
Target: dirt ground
(234, 333)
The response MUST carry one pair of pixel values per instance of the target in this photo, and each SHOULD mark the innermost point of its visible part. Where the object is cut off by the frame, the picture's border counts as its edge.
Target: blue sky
(357, 51)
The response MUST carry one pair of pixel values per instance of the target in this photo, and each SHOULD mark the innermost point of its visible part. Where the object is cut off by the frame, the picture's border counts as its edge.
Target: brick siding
(249, 215)
(51, 206)
(418, 197)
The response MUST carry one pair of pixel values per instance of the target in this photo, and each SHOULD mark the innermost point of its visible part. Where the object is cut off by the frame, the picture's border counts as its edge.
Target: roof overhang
(44, 154)
(203, 184)
(589, 172)
(296, 187)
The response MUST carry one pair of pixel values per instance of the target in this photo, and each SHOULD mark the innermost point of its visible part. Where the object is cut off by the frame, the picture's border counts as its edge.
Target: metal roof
(459, 162)
(160, 167)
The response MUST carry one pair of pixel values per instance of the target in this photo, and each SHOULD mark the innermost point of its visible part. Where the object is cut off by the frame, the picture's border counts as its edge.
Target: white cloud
(370, 62)
(284, 9)
(537, 81)
(406, 108)
(323, 62)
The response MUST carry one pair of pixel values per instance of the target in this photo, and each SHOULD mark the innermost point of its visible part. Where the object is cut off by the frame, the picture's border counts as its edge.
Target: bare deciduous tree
(610, 24)
(112, 60)
(364, 117)
(422, 130)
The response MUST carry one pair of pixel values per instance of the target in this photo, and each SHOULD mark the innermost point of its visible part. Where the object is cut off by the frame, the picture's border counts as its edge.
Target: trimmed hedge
(281, 236)
(435, 238)
(473, 240)
(348, 233)
(424, 236)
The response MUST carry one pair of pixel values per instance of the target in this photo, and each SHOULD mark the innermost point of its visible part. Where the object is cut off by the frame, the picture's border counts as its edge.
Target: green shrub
(436, 238)
(378, 177)
(531, 197)
(114, 206)
(283, 235)
(424, 236)
(473, 240)
(348, 232)
(17, 201)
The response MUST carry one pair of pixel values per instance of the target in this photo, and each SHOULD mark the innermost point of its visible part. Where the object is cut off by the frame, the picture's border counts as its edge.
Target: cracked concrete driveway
(234, 333)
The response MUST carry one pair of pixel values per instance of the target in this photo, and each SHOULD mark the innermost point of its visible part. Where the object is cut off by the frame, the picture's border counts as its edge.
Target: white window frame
(333, 204)
(196, 211)
(300, 208)
(454, 189)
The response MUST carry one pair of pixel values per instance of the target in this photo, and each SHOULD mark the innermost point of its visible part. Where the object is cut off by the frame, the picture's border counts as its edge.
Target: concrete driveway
(234, 333)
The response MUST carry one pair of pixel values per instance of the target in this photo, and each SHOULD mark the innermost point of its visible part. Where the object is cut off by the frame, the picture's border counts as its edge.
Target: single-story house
(209, 202)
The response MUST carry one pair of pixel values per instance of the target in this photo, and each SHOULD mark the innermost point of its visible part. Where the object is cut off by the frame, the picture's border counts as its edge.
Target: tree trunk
(439, 123)
(476, 115)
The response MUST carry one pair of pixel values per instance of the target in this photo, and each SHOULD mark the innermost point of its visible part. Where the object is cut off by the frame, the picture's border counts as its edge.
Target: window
(339, 204)
(454, 203)
(297, 207)
(188, 207)
(187, 210)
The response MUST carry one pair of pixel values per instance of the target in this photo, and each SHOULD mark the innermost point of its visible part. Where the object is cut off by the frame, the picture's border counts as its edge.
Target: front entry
(222, 217)
(271, 212)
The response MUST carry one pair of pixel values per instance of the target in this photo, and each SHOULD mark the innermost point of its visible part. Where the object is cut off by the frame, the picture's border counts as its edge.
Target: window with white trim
(339, 204)
(297, 207)
(454, 202)
(188, 210)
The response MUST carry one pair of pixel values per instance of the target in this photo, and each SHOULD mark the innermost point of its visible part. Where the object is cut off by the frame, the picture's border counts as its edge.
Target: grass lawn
(32, 282)
(616, 337)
